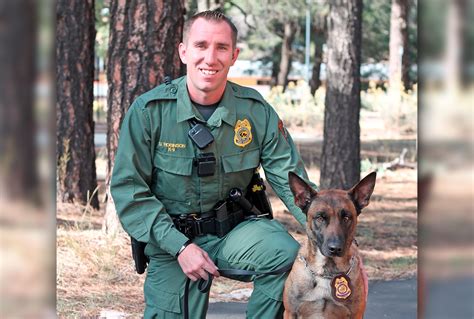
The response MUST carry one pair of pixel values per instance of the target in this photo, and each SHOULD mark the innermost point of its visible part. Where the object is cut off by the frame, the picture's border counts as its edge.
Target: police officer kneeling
(183, 147)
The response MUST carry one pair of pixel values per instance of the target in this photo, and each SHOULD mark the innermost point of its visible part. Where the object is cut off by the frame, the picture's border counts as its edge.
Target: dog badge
(341, 287)
(243, 133)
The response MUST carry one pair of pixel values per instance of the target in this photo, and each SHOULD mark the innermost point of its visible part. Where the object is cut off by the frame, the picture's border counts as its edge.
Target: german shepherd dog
(327, 279)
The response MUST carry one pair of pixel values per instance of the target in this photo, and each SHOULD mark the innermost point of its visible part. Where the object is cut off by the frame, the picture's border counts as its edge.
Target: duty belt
(194, 225)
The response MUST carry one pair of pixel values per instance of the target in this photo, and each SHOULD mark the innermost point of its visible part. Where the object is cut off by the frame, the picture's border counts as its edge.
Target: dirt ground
(95, 272)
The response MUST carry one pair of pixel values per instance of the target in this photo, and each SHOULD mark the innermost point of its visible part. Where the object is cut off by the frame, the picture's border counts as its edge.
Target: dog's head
(332, 214)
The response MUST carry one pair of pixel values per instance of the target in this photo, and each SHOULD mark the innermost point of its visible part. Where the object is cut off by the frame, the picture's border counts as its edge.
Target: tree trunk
(286, 53)
(320, 39)
(276, 57)
(455, 24)
(75, 36)
(398, 61)
(340, 159)
(143, 48)
(18, 154)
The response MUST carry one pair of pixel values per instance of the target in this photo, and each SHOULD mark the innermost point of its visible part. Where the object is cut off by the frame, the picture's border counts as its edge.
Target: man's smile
(208, 72)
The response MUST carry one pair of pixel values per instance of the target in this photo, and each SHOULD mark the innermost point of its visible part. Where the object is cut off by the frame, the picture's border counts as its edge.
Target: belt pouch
(222, 219)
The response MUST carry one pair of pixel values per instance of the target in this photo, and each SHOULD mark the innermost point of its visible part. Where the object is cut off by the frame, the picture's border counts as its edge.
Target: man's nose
(210, 56)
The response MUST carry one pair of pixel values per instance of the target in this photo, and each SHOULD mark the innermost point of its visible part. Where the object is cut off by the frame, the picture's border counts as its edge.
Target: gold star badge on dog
(243, 133)
(341, 287)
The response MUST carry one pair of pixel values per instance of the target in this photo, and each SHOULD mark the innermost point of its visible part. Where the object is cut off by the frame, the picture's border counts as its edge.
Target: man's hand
(196, 263)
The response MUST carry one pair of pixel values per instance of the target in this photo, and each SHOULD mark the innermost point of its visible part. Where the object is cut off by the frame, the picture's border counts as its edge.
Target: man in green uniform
(158, 177)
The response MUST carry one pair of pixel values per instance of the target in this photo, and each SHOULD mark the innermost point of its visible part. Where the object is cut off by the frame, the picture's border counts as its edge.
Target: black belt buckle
(206, 164)
(183, 225)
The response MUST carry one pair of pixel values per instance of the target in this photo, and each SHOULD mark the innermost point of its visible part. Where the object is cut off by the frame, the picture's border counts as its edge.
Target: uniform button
(173, 89)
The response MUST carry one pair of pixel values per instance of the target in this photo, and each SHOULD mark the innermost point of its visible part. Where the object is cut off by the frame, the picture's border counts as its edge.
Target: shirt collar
(226, 111)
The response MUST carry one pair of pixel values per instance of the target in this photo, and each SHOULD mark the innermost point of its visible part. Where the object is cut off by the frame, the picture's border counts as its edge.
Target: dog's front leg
(289, 315)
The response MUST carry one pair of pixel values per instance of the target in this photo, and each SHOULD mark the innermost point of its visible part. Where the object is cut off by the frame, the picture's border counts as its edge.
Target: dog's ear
(361, 192)
(302, 192)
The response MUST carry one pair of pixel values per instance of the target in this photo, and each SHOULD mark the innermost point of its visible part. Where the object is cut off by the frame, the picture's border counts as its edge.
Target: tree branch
(244, 13)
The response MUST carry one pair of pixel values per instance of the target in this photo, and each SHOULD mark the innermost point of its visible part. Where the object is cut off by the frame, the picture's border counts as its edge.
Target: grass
(403, 262)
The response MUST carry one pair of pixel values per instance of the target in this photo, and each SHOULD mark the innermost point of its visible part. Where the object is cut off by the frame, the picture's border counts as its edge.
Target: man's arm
(141, 214)
(280, 156)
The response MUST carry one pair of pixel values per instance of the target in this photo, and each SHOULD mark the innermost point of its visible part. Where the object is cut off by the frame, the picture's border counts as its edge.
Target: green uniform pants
(258, 244)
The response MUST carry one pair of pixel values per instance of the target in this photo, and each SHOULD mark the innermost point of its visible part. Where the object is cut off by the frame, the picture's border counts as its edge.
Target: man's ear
(361, 192)
(235, 55)
(182, 52)
(302, 192)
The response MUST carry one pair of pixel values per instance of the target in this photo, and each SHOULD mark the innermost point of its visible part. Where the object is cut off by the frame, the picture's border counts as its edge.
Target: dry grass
(95, 272)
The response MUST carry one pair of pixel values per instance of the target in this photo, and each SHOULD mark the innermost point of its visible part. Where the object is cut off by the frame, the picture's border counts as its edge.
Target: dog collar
(351, 266)
(341, 287)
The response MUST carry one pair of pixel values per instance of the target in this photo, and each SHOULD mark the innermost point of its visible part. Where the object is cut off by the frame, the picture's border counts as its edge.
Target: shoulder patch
(247, 93)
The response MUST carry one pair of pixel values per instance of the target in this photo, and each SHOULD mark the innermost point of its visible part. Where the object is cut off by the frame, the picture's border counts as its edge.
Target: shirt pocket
(238, 169)
(172, 178)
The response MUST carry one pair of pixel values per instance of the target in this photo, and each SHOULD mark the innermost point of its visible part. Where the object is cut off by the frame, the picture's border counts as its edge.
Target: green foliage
(366, 165)
(264, 28)
(375, 30)
(102, 18)
(413, 37)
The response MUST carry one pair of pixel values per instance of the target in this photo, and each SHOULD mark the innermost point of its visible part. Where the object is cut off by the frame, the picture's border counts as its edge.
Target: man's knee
(285, 249)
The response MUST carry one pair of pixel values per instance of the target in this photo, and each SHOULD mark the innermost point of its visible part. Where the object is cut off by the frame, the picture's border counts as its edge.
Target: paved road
(387, 299)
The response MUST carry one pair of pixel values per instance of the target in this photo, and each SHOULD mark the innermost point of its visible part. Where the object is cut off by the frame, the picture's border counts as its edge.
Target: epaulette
(165, 91)
(247, 93)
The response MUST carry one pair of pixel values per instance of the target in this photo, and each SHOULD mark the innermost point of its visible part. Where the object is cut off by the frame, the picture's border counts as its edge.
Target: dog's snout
(335, 247)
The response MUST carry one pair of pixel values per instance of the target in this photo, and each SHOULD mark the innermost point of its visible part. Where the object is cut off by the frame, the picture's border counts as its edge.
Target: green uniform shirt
(154, 175)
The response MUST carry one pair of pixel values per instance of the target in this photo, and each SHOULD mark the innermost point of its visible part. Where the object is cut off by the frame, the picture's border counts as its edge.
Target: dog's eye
(320, 218)
(346, 219)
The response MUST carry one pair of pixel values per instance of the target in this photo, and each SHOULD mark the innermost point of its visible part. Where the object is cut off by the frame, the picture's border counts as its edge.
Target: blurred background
(69, 71)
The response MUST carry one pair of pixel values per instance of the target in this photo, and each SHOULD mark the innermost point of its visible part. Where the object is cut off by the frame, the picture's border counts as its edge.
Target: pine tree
(340, 160)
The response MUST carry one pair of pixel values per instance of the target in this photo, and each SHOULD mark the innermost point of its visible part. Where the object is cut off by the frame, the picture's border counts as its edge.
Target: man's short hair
(210, 15)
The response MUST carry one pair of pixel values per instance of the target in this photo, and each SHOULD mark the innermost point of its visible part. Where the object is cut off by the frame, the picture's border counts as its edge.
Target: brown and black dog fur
(331, 226)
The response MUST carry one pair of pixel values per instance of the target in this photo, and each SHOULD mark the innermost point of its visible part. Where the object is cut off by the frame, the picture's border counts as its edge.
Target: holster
(138, 252)
(257, 196)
